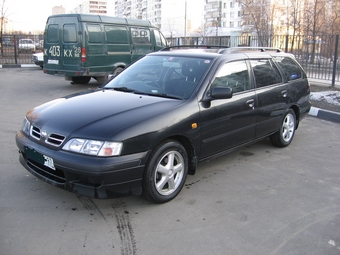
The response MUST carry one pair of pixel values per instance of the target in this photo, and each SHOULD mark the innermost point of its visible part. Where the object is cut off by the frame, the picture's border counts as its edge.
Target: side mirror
(219, 92)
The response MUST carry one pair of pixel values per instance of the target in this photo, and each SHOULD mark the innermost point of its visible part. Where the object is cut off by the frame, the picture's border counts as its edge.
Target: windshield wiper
(124, 89)
(157, 94)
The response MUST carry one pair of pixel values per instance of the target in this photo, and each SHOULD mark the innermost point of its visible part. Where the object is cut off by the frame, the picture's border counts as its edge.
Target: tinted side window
(265, 72)
(116, 35)
(140, 35)
(234, 75)
(290, 68)
(94, 34)
(52, 33)
(70, 33)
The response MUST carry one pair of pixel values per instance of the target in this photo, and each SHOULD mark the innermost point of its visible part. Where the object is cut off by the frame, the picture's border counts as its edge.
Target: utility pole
(185, 22)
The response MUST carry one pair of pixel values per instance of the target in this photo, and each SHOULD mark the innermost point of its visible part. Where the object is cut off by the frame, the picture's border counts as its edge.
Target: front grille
(35, 132)
(53, 139)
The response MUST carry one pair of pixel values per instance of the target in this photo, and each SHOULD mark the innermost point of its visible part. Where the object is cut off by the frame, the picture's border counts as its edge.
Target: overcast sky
(31, 15)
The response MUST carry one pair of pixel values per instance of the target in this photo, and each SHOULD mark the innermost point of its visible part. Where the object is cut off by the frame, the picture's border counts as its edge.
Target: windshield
(167, 76)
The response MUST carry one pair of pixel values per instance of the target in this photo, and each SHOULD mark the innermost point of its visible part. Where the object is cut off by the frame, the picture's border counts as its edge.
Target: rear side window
(52, 33)
(116, 35)
(140, 35)
(94, 34)
(70, 33)
(265, 72)
(290, 68)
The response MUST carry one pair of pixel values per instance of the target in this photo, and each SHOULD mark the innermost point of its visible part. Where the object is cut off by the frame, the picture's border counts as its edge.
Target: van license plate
(53, 61)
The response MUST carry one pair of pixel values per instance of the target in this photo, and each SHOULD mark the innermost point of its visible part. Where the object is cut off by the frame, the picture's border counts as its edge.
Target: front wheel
(166, 172)
(285, 135)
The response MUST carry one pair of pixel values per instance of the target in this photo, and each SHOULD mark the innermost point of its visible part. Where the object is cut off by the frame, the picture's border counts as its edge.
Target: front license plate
(40, 158)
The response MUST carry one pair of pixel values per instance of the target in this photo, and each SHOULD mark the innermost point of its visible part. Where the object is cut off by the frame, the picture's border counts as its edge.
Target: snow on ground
(331, 97)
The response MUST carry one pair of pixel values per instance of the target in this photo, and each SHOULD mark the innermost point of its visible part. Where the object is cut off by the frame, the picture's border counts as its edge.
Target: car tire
(285, 135)
(165, 172)
(81, 79)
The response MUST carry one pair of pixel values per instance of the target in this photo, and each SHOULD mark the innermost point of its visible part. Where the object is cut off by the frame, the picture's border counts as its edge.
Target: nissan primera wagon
(146, 129)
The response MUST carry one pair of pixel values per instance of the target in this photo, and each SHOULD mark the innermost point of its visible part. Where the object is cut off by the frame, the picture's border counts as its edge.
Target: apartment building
(92, 7)
(169, 15)
(222, 17)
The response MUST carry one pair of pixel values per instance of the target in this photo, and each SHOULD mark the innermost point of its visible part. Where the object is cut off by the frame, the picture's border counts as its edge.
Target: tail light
(83, 55)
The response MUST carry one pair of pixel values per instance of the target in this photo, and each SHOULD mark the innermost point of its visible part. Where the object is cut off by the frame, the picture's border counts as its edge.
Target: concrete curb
(324, 114)
(18, 65)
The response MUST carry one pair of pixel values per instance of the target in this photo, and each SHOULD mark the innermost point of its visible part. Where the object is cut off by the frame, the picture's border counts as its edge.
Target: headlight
(25, 127)
(92, 147)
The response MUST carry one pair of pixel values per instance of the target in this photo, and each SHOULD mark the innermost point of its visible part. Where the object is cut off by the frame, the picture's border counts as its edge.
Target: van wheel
(117, 70)
(284, 136)
(81, 79)
(166, 172)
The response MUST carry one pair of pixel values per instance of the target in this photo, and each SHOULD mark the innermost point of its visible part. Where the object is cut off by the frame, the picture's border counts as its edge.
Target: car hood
(97, 114)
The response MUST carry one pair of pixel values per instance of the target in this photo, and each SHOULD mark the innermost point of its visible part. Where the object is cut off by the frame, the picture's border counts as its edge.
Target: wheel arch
(296, 110)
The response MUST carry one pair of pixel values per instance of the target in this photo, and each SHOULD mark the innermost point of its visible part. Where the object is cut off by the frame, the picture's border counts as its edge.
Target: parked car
(38, 59)
(26, 45)
(148, 127)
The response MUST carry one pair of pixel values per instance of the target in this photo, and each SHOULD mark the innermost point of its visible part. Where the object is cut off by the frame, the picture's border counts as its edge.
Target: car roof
(213, 52)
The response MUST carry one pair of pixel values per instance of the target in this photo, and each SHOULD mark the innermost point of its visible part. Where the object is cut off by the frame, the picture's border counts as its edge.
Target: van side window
(140, 35)
(160, 40)
(52, 33)
(290, 68)
(234, 75)
(70, 33)
(116, 35)
(94, 34)
(265, 72)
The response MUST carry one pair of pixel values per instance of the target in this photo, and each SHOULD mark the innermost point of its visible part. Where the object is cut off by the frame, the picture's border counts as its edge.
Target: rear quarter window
(291, 69)
(94, 34)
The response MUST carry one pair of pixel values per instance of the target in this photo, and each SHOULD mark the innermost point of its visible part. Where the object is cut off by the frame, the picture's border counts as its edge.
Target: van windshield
(167, 75)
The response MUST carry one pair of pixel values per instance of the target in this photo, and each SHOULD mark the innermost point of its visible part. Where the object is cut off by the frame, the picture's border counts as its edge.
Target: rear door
(272, 96)
(62, 44)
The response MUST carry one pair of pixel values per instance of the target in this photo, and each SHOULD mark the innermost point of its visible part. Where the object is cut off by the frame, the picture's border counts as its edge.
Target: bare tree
(2, 19)
(257, 18)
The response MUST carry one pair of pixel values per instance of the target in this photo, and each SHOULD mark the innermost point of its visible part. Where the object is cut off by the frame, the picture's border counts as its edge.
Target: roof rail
(261, 49)
(194, 47)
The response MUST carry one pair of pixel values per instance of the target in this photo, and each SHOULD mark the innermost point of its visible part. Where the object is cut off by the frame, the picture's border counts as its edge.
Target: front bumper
(84, 175)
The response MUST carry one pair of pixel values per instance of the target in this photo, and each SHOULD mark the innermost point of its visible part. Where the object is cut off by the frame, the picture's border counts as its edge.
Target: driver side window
(234, 75)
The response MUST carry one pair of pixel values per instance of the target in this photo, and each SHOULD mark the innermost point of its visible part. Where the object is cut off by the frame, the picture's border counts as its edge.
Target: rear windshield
(177, 76)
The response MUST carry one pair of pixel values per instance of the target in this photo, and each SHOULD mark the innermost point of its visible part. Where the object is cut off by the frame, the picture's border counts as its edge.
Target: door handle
(251, 103)
(284, 93)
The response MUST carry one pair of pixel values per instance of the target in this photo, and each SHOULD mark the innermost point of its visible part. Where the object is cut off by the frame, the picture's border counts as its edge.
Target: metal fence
(10, 52)
(318, 54)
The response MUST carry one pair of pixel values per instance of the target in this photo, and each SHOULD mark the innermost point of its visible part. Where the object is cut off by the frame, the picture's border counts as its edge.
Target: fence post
(15, 50)
(286, 46)
(335, 59)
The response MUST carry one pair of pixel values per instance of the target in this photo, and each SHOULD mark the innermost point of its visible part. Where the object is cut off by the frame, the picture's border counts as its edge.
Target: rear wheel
(81, 79)
(285, 135)
(166, 172)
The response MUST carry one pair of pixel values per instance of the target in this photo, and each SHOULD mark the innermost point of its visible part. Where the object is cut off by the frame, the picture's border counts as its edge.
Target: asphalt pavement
(256, 200)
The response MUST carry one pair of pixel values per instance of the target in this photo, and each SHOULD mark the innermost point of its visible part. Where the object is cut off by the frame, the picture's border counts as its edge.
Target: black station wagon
(149, 126)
